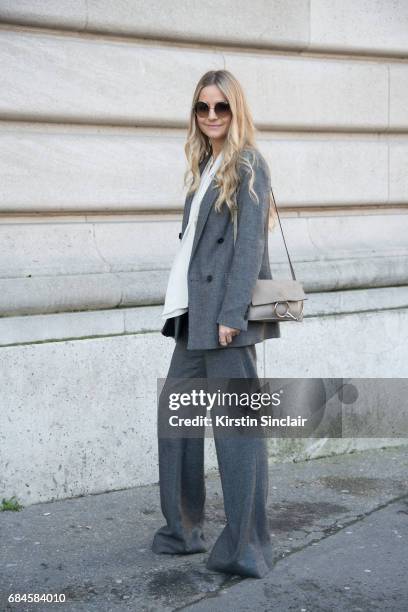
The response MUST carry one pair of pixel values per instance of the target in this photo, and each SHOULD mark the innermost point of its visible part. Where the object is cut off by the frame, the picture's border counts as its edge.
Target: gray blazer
(220, 278)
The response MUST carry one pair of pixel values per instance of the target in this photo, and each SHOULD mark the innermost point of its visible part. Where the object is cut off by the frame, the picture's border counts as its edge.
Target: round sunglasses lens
(222, 109)
(202, 110)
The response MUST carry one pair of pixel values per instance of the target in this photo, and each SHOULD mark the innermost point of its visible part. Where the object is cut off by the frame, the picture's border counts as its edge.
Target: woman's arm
(249, 246)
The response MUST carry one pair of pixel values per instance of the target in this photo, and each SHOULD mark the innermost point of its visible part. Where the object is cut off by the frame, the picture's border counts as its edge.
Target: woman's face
(216, 128)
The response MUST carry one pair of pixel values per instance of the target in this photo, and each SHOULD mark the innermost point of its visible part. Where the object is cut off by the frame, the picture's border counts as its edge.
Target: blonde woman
(206, 309)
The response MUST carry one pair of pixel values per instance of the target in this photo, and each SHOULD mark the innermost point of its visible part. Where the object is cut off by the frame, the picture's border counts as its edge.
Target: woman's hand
(226, 333)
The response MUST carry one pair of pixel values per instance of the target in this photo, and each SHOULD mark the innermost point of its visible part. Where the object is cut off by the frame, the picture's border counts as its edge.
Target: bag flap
(271, 290)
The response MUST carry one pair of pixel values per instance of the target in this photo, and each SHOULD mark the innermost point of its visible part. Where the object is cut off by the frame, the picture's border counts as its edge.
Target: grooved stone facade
(91, 94)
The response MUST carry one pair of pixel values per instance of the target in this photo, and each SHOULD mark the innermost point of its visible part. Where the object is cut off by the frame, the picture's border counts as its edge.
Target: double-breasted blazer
(221, 278)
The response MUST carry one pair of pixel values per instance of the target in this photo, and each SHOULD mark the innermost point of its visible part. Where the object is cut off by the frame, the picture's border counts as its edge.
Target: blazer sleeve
(249, 246)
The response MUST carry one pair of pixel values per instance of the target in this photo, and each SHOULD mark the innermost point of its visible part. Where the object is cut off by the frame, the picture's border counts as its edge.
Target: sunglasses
(221, 109)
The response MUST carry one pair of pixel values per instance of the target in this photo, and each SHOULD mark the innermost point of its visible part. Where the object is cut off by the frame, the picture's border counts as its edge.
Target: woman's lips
(214, 126)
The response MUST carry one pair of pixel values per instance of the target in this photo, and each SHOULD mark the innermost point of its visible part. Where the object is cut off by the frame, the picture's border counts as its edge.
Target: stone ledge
(80, 292)
(146, 319)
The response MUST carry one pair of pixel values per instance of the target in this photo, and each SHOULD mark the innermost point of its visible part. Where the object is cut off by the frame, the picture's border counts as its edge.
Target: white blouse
(176, 301)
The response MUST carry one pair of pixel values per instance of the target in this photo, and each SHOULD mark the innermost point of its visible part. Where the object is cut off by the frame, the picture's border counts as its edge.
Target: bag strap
(266, 232)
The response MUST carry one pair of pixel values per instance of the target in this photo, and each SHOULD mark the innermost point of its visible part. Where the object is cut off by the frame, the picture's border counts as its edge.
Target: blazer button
(180, 235)
(209, 278)
(220, 240)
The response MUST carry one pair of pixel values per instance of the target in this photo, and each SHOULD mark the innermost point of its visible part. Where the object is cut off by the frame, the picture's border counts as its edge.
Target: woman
(206, 309)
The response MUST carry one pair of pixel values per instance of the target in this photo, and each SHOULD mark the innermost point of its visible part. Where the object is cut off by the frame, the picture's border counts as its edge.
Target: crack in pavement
(235, 579)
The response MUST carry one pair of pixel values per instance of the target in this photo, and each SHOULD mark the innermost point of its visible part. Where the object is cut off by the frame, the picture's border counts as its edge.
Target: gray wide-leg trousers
(244, 546)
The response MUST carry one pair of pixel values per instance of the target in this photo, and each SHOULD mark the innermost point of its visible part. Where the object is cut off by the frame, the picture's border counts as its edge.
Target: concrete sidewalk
(339, 526)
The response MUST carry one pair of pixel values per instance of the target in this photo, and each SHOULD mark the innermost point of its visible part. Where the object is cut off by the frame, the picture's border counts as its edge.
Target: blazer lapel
(189, 198)
(207, 201)
(205, 207)
(186, 214)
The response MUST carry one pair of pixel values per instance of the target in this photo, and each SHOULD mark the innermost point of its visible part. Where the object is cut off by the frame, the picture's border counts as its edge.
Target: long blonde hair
(240, 139)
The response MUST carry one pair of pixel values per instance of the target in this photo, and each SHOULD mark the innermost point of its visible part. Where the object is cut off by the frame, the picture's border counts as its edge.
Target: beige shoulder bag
(275, 300)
